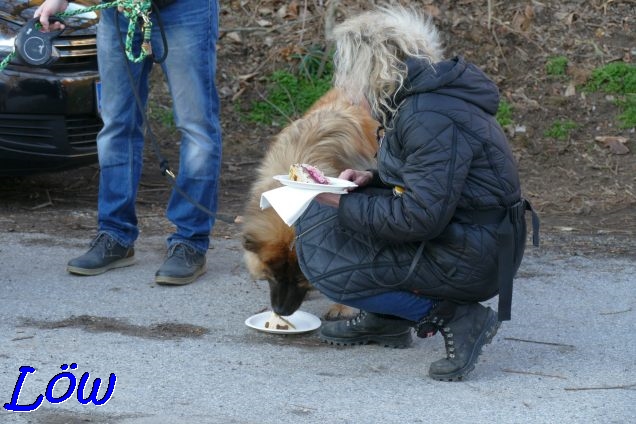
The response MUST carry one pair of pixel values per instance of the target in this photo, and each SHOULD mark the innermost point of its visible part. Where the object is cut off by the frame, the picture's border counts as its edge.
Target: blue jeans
(403, 304)
(191, 29)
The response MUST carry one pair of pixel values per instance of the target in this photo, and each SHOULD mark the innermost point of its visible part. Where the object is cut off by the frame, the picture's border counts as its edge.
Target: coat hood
(454, 78)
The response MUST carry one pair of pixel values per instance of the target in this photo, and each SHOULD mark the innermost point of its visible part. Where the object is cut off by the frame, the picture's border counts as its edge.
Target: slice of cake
(305, 173)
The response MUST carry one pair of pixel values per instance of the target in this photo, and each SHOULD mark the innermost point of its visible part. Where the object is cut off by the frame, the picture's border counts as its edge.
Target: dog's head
(274, 259)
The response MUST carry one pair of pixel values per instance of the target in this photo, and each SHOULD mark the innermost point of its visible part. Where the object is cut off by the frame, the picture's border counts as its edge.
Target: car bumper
(47, 123)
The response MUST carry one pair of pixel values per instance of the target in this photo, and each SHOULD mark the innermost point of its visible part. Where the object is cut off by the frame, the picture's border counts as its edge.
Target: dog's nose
(281, 310)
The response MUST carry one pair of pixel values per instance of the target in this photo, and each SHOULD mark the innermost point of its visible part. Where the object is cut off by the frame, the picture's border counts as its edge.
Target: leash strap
(163, 162)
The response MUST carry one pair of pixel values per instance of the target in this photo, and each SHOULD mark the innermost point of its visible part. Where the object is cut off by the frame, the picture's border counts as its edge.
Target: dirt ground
(584, 191)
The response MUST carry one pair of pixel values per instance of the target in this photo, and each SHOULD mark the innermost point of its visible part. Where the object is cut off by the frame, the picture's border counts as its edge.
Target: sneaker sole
(486, 336)
(166, 280)
(122, 263)
(398, 341)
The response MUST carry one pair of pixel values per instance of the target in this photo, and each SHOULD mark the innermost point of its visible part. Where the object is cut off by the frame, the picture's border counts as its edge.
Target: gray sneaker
(104, 254)
(182, 266)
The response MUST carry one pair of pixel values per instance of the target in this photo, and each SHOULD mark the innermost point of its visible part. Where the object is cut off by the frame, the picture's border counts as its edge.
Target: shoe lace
(356, 320)
(104, 241)
(181, 250)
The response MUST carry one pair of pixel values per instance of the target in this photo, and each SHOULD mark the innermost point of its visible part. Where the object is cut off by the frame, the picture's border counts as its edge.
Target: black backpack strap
(508, 251)
(535, 222)
(511, 243)
(511, 233)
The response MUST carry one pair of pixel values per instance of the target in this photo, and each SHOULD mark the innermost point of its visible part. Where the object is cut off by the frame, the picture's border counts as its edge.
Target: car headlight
(7, 38)
(6, 45)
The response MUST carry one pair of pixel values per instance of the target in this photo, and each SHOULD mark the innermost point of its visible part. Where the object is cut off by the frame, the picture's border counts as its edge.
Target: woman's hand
(48, 9)
(360, 178)
(329, 199)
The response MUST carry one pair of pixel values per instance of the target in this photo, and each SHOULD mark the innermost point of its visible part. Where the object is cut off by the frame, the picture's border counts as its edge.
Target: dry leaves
(615, 144)
(522, 21)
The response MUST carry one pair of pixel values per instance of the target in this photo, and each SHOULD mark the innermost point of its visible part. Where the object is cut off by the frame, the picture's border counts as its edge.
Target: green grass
(613, 78)
(628, 106)
(315, 63)
(290, 94)
(561, 129)
(617, 78)
(162, 115)
(504, 113)
(288, 97)
(556, 66)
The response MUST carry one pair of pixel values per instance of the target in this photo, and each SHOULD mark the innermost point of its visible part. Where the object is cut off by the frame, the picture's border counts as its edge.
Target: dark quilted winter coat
(450, 156)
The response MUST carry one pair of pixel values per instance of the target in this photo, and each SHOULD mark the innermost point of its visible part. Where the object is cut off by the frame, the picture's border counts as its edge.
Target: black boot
(466, 329)
(368, 328)
(105, 254)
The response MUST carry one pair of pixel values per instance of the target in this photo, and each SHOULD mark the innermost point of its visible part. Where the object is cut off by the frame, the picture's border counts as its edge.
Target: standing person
(191, 32)
(439, 226)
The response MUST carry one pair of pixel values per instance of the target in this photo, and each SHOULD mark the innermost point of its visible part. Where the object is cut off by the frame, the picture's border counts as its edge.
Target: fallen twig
(625, 386)
(45, 204)
(539, 342)
(501, 52)
(615, 312)
(540, 374)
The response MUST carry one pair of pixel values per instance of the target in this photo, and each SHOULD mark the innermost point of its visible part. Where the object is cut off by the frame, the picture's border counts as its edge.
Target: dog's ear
(250, 243)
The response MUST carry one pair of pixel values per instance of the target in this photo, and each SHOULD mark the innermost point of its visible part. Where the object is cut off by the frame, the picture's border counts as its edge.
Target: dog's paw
(338, 311)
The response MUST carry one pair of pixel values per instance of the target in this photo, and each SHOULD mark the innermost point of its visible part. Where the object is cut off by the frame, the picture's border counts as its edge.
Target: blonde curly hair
(371, 53)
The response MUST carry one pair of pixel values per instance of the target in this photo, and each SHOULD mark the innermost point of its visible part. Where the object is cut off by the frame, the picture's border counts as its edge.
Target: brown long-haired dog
(333, 135)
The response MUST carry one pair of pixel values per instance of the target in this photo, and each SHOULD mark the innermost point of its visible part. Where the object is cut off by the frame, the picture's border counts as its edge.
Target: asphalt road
(184, 355)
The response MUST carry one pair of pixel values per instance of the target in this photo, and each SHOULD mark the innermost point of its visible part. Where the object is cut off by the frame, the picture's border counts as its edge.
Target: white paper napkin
(288, 202)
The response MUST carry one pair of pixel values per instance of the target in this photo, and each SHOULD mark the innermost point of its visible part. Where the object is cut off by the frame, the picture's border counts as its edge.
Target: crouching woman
(439, 226)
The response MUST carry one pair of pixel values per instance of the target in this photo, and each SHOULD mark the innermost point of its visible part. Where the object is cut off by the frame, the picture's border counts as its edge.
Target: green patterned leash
(132, 9)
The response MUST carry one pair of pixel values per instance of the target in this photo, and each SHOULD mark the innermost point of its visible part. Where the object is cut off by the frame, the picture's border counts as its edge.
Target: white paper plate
(303, 321)
(335, 184)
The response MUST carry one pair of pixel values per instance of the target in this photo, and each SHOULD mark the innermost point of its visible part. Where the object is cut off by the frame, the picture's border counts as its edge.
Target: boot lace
(449, 341)
(356, 320)
(430, 325)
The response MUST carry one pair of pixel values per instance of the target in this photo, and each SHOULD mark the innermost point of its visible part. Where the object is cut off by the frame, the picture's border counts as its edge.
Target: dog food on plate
(276, 322)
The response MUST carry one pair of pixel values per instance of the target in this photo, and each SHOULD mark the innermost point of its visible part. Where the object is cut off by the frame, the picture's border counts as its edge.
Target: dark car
(49, 116)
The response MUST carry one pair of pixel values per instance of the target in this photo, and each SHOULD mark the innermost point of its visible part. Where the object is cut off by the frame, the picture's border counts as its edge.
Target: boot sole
(167, 280)
(398, 341)
(122, 263)
(486, 336)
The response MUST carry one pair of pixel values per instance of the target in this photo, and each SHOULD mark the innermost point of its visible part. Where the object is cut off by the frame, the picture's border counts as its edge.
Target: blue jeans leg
(401, 304)
(120, 142)
(190, 68)
(191, 30)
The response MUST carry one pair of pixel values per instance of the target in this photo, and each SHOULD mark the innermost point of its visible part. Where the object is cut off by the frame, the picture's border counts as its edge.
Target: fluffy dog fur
(333, 135)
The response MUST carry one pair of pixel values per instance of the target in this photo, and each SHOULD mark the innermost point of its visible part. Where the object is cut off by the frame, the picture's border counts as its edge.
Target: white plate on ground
(303, 321)
(335, 184)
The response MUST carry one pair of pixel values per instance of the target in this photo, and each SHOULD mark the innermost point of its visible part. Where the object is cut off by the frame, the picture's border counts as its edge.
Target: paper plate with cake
(270, 322)
(305, 176)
